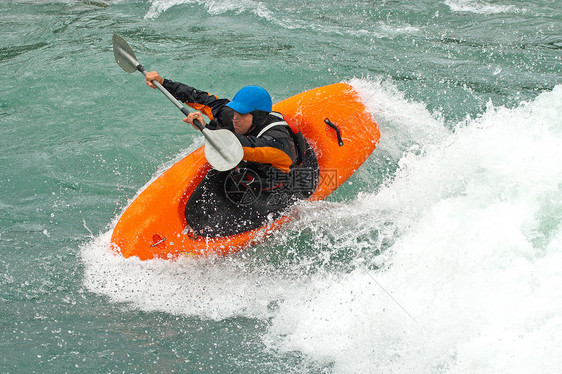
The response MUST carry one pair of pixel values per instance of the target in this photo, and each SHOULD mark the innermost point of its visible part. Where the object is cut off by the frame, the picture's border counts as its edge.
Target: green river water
(442, 254)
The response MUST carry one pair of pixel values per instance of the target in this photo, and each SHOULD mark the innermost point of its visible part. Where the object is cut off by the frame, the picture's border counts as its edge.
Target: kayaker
(278, 167)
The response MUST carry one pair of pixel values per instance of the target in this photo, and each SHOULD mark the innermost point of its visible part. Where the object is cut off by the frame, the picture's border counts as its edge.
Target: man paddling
(278, 167)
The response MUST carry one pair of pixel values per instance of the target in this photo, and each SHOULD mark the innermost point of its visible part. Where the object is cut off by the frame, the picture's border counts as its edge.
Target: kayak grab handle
(157, 240)
(338, 133)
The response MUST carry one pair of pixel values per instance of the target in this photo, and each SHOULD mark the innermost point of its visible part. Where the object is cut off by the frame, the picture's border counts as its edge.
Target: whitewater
(441, 254)
(453, 263)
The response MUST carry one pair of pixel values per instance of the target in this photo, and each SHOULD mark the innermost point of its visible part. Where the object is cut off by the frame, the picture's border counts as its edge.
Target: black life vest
(298, 138)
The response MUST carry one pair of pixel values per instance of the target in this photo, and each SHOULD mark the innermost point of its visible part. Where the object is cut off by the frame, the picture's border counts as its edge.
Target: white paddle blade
(124, 55)
(222, 149)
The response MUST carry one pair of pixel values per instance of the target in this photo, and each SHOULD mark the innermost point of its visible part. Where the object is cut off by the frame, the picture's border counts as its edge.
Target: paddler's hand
(153, 76)
(192, 117)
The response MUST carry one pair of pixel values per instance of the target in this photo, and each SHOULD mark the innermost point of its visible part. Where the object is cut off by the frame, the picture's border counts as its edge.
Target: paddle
(222, 148)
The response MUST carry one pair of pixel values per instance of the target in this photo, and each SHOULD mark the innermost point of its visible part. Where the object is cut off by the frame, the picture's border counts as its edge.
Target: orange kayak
(153, 225)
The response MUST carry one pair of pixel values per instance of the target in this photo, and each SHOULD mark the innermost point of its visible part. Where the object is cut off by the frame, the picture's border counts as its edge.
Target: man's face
(242, 122)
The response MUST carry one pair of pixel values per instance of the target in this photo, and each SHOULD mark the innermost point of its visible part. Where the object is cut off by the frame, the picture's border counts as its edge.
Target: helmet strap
(259, 118)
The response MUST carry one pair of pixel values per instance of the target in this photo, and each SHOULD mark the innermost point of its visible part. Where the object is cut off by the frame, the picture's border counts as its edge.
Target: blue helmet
(251, 98)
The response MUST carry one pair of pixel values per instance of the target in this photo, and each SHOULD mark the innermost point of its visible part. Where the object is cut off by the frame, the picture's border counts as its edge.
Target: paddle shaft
(222, 148)
(171, 98)
(183, 109)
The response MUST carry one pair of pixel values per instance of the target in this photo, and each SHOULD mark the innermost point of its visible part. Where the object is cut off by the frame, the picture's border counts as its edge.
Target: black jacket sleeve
(209, 104)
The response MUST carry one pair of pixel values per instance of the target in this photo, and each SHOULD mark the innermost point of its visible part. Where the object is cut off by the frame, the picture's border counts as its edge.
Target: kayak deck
(154, 223)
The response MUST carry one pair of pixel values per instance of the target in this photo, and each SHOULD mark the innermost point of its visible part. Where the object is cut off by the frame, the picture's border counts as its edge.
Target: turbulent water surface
(442, 254)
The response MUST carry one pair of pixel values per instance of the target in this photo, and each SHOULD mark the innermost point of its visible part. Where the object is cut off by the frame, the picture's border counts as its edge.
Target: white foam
(213, 7)
(213, 288)
(404, 124)
(480, 7)
(276, 14)
(466, 262)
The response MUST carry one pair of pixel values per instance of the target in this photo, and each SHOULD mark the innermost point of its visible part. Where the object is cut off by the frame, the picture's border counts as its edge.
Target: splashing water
(452, 265)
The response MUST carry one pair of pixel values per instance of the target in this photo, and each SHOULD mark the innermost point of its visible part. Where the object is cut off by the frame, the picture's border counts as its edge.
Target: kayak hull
(153, 225)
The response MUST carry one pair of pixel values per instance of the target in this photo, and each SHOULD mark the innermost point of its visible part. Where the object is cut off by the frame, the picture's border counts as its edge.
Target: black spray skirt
(231, 202)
